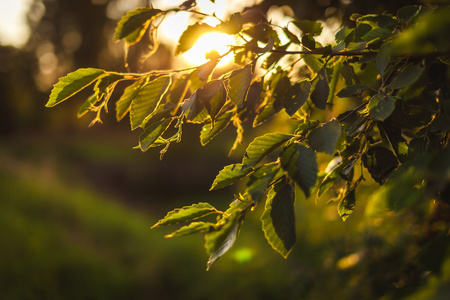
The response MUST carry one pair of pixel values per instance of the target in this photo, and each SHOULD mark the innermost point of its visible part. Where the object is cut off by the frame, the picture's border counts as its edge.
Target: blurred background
(77, 203)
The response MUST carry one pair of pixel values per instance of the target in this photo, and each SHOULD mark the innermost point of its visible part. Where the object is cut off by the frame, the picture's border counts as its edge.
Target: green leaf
(194, 227)
(107, 80)
(263, 146)
(194, 108)
(381, 107)
(325, 137)
(352, 90)
(278, 219)
(147, 100)
(407, 76)
(279, 83)
(296, 96)
(383, 57)
(163, 111)
(187, 213)
(314, 62)
(218, 242)
(190, 36)
(178, 89)
(87, 105)
(72, 83)
(133, 25)
(307, 26)
(332, 177)
(124, 103)
(301, 165)
(152, 133)
(260, 179)
(377, 35)
(239, 84)
(229, 175)
(347, 205)
(220, 123)
(381, 20)
(319, 95)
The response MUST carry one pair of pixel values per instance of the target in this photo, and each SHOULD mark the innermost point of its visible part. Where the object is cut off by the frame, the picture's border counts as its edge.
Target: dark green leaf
(301, 165)
(263, 146)
(152, 133)
(381, 107)
(191, 35)
(278, 219)
(296, 96)
(187, 213)
(72, 83)
(379, 161)
(194, 108)
(321, 90)
(133, 25)
(405, 13)
(407, 76)
(213, 95)
(147, 100)
(347, 205)
(124, 103)
(229, 175)
(382, 59)
(194, 227)
(220, 123)
(260, 179)
(325, 137)
(352, 90)
(307, 26)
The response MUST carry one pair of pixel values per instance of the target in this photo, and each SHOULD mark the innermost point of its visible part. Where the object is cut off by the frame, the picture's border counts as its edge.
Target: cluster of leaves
(392, 68)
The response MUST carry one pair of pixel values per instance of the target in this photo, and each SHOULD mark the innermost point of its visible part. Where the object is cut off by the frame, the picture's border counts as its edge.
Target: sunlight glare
(206, 43)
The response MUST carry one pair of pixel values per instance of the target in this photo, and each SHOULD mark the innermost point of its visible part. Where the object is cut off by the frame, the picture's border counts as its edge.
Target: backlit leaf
(87, 105)
(347, 205)
(239, 84)
(278, 219)
(260, 179)
(152, 133)
(194, 227)
(147, 100)
(263, 146)
(220, 123)
(307, 26)
(321, 90)
(191, 35)
(213, 96)
(187, 213)
(229, 175)
(133, 25)
(301, 165)
(72, 83)
(124, 103)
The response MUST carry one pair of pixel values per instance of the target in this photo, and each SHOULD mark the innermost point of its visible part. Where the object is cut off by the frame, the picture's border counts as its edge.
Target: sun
(208, 42)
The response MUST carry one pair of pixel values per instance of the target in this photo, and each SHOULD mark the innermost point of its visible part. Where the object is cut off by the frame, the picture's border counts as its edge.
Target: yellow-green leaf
(187, 213)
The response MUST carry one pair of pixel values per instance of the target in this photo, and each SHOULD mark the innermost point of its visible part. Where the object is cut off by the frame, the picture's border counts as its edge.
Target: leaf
(194, 227)
(307, 26)
(325, 137)
(187, 213)
(178, 89)
(377, 35)
(263, 146)
(162, 112)
(194, 109)
(332, 177)
(347, 205)
(72, 83)
(205, 70)
(379, 161)
(213, 96)
(147, 99)
(278, 219)
(260, 179)
(133, 25)
(352, 90)
(381, 107)
(279, 84)
(220, 123)
(229, 175)
(296, 96)
(152, 133)
(314, 62)
(87, 105)
(301, 165)
(239, 84)
(218, 242)
(321, 90)
(190, 36)
(407, 76)
(124, 103)
(383, 57)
